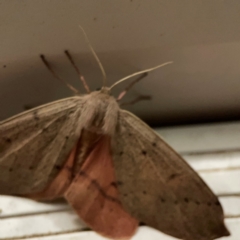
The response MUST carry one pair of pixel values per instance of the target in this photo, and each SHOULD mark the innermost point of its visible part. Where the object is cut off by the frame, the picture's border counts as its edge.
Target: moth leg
(122, 94)
(137, 99)
(46, 63)
(93, 194)
(81, 77)
(60, 184)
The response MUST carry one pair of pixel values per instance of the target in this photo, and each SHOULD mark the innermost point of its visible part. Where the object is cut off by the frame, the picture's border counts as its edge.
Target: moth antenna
(95, 56)
(137, 73)
(137, 99)
(122, 94)
(57, 76)
(69, 56)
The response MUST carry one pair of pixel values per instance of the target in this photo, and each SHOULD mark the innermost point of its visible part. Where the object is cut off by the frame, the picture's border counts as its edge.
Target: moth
(112, 168)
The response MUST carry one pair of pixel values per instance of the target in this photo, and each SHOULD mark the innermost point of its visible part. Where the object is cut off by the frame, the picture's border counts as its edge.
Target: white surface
(201, 37)
(203, 138)
(26, 219)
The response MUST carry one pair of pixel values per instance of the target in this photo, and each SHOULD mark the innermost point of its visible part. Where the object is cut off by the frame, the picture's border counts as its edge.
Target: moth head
(105, 90)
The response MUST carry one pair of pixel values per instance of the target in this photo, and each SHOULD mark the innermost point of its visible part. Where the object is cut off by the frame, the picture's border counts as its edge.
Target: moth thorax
(100, 113)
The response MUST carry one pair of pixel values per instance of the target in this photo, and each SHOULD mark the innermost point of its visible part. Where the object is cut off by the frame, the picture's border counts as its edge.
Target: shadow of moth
(112, 168)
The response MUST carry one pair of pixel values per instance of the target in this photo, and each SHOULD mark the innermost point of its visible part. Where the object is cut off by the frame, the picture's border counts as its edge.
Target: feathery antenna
(123, 93)
(95, 56)
(140, 72)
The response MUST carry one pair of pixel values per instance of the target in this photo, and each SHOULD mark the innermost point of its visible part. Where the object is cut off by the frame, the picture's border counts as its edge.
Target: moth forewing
(159, 188)
(35, 144)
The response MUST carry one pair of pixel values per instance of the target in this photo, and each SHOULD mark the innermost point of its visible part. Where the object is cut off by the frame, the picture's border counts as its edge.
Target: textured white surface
(25, 219)
(212, 138)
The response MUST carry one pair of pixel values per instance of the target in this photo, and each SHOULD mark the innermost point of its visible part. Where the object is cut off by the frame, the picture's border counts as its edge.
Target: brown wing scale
(159, 188)
(34, 145)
